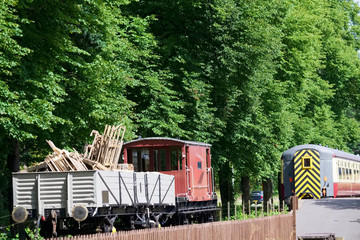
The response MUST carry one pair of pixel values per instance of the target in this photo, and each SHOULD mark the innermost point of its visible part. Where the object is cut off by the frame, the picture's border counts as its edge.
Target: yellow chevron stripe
(306, 174)
(311, 190)
(307, 185)
(315, 160)
(297, 164)
(314, 155)
(297, 157)
(310, 178)
(314, 182)
(317, 193)
(307, 181)
(299, 153)
(316, 163)
(298, 170)
(316, 170)
(300, 185)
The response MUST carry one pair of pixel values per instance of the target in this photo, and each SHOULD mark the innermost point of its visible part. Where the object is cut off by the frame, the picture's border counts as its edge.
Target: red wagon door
(199, 170)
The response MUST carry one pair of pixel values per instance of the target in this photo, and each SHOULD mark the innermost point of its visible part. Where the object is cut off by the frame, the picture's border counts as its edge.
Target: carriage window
(145, 160)
(180, 159)
(207, 158)
(135, 160)
(340, 177)
(141, 159)
(306, 163)
(163, 159)
(174, 159)
(156, 160)
(199, 165)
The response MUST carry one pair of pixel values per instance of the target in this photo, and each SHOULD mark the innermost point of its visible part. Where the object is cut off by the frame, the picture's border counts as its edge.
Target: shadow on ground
(339, 203)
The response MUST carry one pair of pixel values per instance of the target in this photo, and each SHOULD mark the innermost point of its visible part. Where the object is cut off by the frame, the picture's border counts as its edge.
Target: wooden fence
(279, 227)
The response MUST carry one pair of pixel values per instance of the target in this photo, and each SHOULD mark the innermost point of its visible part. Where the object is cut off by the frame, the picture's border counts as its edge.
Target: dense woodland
(252, 77)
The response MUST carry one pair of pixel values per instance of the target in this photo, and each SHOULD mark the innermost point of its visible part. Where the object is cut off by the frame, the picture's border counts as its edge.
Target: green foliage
(253, 78)
(256, 211)
(30, 230)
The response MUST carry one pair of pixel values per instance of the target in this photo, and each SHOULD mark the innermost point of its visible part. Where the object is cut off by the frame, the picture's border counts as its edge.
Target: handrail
(192, 181)
(213, 181)
(208, 172)
(189, 188)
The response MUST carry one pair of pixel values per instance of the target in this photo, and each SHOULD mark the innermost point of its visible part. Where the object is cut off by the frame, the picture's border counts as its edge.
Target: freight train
(172, 184)
(315, 171)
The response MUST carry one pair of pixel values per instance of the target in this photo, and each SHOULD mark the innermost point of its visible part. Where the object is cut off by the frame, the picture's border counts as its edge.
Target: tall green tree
(248, 43)
(84, 56)
(342, 67)
(66, 70)
(11, 106)
(181, 29)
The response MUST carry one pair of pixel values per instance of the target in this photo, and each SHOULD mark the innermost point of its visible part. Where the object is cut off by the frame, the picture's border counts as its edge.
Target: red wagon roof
(151, 141)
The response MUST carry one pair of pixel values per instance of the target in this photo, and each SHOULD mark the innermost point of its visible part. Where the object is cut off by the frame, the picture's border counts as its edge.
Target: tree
(181, 29)
(248, 43)
(67, 71)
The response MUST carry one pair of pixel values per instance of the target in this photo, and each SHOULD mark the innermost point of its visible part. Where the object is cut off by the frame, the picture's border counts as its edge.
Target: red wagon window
(174, 159)
(163, 160)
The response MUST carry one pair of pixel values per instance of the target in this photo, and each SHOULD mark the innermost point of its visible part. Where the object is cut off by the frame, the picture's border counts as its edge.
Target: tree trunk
(245, 189)
(226, 185)
(268, 190)
(13, 164)
(13, 158)
(281, 195)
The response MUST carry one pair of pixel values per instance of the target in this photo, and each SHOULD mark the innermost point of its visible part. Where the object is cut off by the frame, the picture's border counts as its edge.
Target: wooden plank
(113, 160)
(88, 154)
(94, 165)
(35, 168)
(107, 148)
(102, 143)
(118, 152)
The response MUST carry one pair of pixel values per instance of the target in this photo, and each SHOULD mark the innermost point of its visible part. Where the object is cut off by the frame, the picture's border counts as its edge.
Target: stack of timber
(102, 154)
(106, 148)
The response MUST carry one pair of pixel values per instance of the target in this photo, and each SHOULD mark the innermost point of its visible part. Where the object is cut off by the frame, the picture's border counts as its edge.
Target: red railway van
(188, 161)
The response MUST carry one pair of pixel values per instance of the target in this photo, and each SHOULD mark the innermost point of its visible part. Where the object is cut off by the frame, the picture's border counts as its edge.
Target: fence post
(294, 207)
(249, 210)
(255, 209)
(273, 206)
(228, 211)
(235, 211)
(283, 204)
(220, 212)
(243, 212)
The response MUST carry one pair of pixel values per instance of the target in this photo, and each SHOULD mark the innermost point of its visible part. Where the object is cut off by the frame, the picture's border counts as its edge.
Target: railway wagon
(190, 163)
(315, 171)
(90, 201)
(172, 184)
